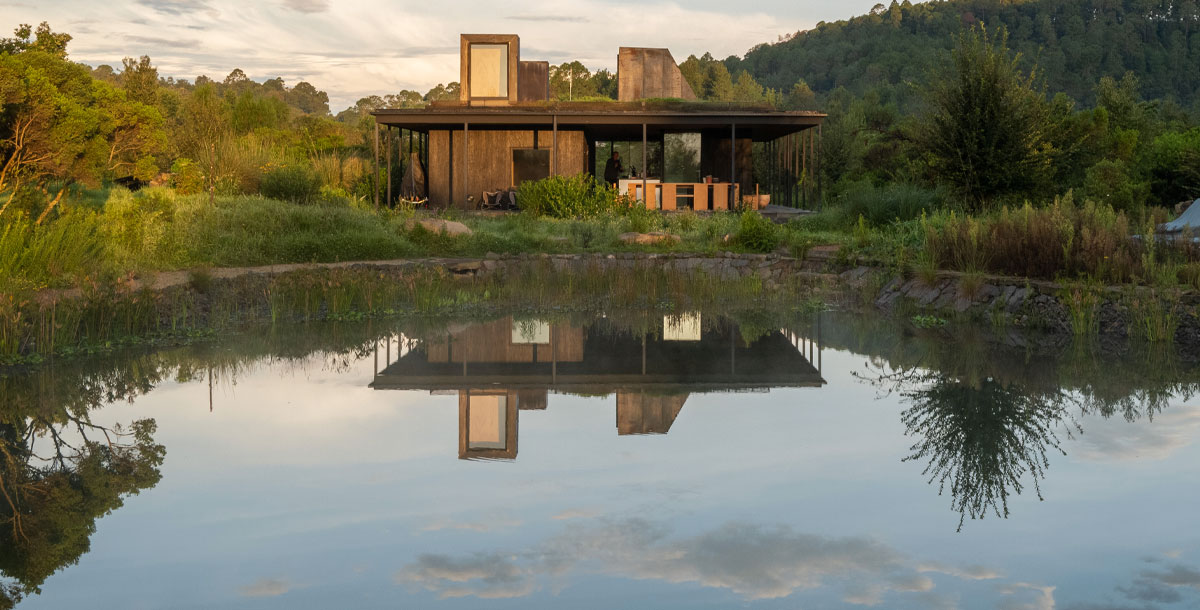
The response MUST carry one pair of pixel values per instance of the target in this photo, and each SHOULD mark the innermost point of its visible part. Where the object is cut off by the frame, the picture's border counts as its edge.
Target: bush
(33, 257)
(294, 183)
(186, 177)
(1108, 181)
(578, 196)
(879, 206)
(134, 226)
(757, 234)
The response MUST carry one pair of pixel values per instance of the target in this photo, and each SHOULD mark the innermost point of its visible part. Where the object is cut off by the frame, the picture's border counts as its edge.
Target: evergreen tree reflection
(980, 439)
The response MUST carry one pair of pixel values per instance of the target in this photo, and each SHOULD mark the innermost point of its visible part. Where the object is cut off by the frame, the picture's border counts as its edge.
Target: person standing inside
(613, 169)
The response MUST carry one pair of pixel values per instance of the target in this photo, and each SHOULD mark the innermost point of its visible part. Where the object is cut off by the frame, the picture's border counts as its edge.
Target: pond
(668, 461)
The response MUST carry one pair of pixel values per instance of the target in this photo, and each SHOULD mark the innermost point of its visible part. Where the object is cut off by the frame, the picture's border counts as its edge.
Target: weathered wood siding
(490, 167)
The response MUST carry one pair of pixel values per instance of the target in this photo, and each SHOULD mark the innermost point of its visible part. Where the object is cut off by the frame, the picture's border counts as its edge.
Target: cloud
(575, 513)
(492, 525)
(483, 575)
(1118, 440)
(548, 18)
(177, 7)
(266, 587)
(755, 562)
(307, 6)
(972, 572)
(1025, 596)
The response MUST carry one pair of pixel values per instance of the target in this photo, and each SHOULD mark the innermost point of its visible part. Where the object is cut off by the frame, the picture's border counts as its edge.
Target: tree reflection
(979, 438)
(58, 474)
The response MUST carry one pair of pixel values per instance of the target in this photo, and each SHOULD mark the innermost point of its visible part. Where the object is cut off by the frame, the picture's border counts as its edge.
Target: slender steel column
(645, 194)
(732, 165)
(389, 165)
(466, 166)
(376, 177)
(554, 149)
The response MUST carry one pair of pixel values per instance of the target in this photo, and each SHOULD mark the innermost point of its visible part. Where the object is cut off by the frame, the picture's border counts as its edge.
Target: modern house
(500, 368)
(678, 152)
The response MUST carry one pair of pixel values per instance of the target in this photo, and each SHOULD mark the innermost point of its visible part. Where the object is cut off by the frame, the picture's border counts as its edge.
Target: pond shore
(165, 304)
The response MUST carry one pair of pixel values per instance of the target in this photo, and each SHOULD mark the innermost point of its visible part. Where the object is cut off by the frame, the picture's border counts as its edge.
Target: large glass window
(681, 157)
(489, 70)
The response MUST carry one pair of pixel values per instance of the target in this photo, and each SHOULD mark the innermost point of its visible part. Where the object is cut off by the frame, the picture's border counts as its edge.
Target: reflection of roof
(615, 361)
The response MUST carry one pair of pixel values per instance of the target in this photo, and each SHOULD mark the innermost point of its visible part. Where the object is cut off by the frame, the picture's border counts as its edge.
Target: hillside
(1074, 42)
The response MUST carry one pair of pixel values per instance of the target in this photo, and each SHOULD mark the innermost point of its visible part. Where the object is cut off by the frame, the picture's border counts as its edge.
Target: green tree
(42, 40)
(204, 127)
(747, 89)
(987, 133)
(140, 80)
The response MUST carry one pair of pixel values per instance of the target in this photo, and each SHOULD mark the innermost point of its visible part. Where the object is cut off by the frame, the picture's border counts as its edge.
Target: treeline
(1074, 42)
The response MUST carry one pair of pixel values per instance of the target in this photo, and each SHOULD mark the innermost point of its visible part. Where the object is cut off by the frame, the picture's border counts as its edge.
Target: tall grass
(1064, 240)
(33, 257)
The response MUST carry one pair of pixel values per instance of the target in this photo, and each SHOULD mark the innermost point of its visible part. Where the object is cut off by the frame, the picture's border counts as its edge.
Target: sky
(302, 487)
(377, 47)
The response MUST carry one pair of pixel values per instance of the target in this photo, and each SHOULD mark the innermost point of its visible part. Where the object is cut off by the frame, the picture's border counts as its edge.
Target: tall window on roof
(489, 70)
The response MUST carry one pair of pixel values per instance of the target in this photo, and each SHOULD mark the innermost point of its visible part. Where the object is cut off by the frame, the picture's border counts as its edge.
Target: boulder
(648, 239)
(439, 225)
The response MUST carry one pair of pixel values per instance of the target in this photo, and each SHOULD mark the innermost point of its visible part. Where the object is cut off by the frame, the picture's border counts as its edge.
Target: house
(680, 153)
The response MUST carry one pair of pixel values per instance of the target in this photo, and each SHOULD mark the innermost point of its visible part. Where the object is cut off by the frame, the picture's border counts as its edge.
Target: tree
(986, 133)
(140, 80)
(800, 97)
(308, 99)
(203, 129)
(719, 85)
(42, 40)
(571, 80)
(747, 89)
(132, 130)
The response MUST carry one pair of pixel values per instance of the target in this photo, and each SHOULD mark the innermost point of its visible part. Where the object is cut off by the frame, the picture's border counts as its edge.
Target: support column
(389, 166)
(733, 166)
(554, 149)
(466, 163)
(375, 181)
(645, 193)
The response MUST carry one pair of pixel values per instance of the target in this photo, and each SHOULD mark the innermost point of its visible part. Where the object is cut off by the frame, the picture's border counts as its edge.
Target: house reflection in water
(503, 367)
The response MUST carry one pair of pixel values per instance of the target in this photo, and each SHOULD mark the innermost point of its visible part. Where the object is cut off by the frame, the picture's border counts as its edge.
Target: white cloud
(752, 561)
(266, 587)
(1115, 439)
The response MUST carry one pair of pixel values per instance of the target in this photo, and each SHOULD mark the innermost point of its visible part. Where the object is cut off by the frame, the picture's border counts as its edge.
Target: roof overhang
(757, 124)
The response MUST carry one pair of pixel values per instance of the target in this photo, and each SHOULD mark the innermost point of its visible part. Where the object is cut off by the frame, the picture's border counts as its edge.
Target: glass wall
(681, 157)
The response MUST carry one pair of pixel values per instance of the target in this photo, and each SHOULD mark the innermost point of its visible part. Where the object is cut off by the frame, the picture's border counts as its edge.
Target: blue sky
(354, 49)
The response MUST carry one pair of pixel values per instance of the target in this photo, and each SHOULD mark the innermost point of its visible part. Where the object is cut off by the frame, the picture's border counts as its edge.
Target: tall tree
(987, 132)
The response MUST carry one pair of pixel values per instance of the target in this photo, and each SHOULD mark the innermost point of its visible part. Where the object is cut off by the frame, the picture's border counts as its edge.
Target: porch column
(376, 176)
(389, 165)
(732, 166)
(645, 195)
(554, 148)
(466, 166)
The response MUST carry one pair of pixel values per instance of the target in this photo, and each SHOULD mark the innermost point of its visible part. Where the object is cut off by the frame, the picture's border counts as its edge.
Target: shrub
(881, 205)
(134, 226)
(187, 177)
(578, 196)
(757, 234)
(294, 183)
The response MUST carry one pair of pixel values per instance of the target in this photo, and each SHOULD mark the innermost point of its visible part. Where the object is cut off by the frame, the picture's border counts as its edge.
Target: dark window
(530, 164)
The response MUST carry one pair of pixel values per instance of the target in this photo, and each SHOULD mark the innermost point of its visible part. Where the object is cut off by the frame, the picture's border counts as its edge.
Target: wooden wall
(492, 342)
(645, 73)
(490, 167)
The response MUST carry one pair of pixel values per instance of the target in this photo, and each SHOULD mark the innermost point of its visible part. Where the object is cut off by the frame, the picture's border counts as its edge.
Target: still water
(691, 463)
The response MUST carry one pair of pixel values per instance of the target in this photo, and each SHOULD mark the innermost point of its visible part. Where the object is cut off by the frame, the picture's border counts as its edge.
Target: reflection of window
(486, 425)
(489, 70)
(530, 164)
(681, 157)
(530, 331)
(683, 328)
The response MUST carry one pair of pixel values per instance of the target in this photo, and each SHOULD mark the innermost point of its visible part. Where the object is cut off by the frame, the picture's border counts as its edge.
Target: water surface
(684, 462)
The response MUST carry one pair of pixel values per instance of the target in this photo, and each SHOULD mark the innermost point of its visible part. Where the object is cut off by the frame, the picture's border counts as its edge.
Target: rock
(648, 239)
(466, 266)
(439, 225)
